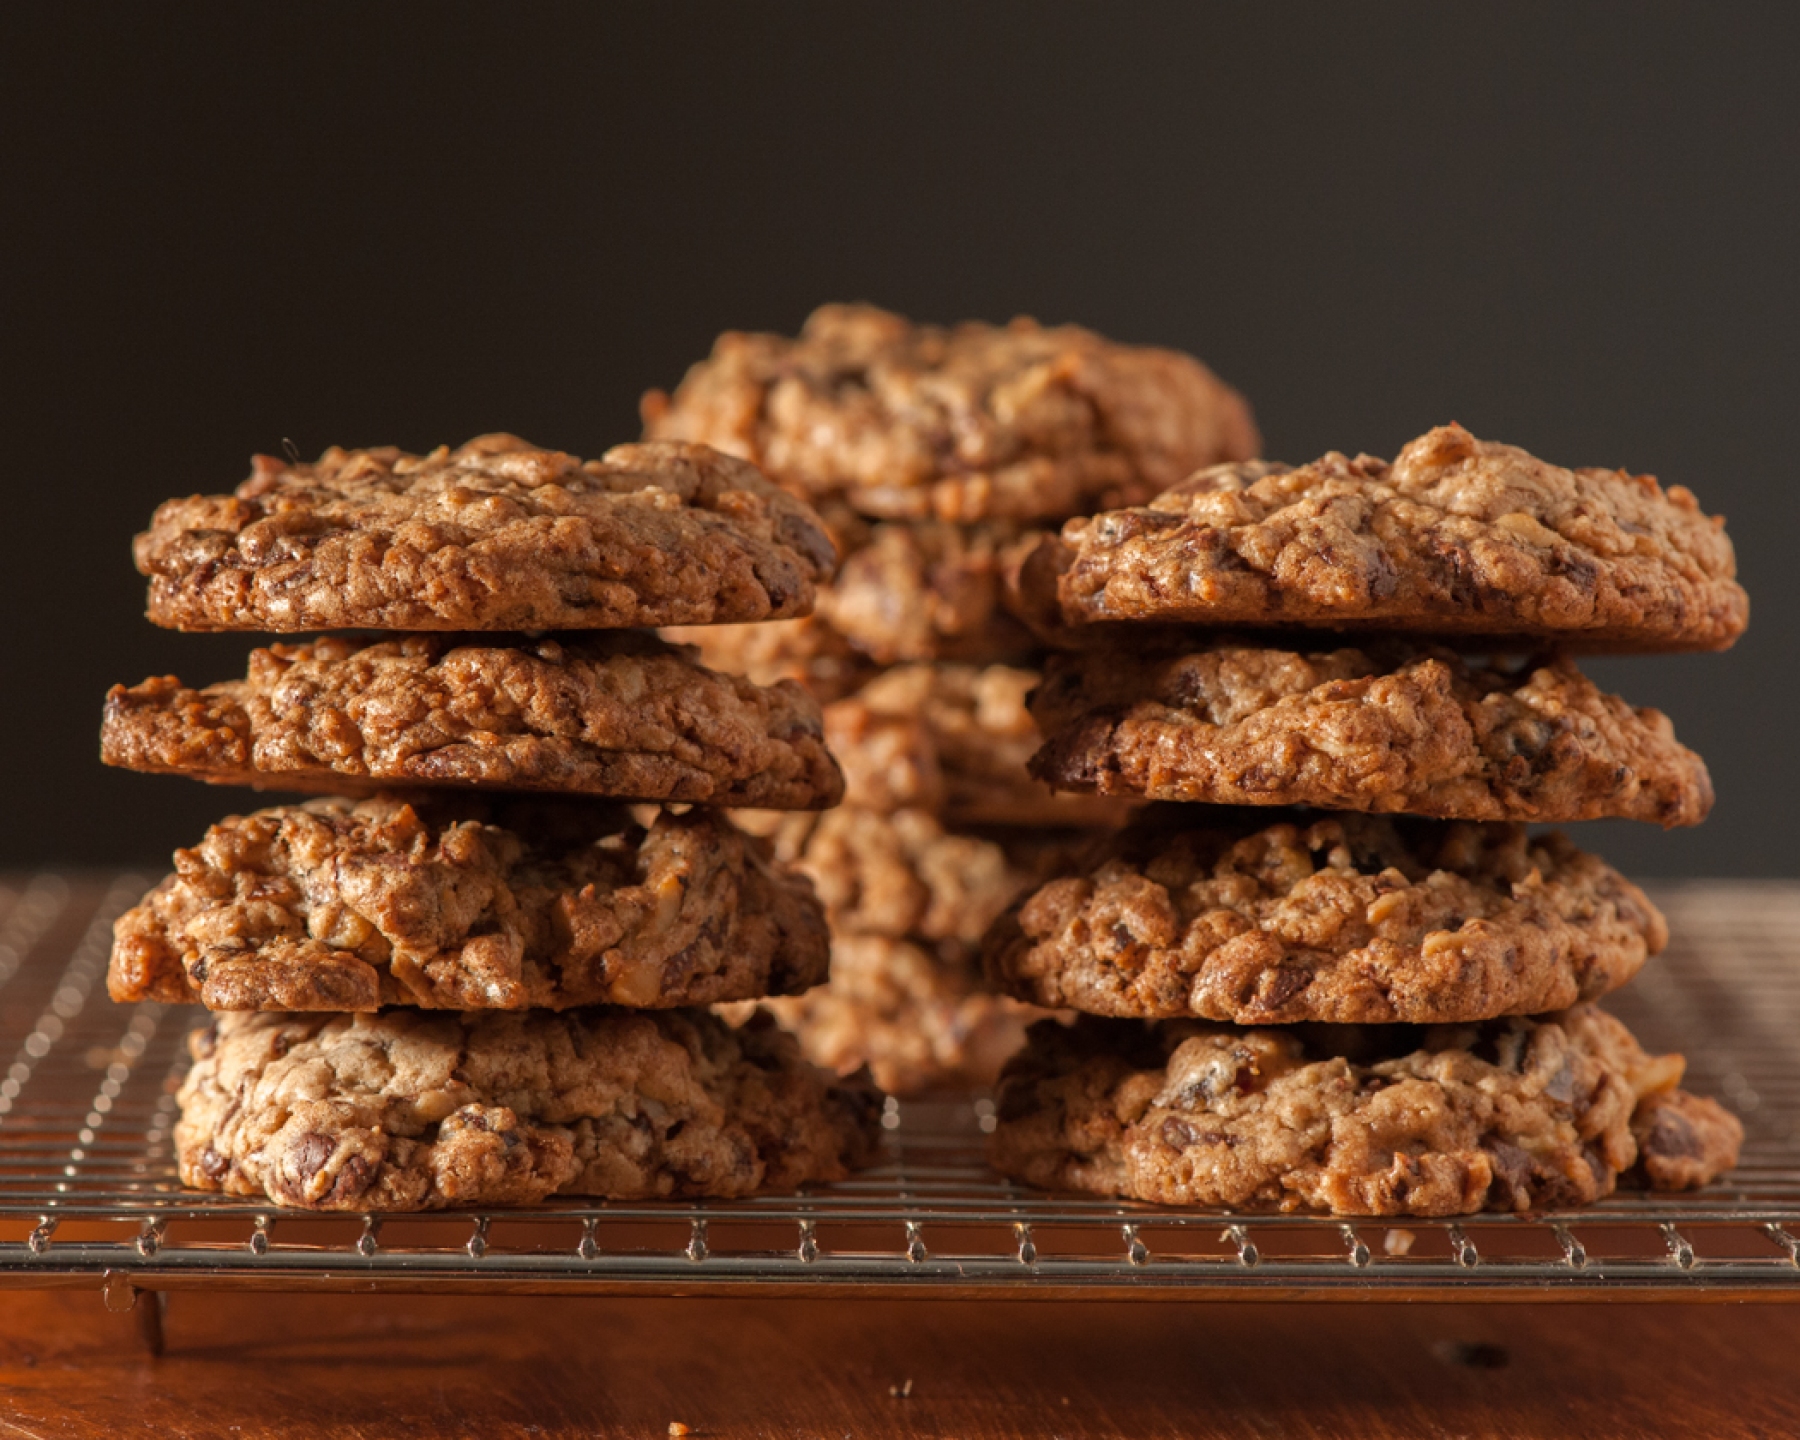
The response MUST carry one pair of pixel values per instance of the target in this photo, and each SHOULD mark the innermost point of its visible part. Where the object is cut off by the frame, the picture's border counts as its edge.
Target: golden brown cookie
(1261, 918)
(974, 422)
(336, 905)
(411, 1111)
(619, 715)
(1392, 727)
(1513, 1115)
(494, 535)
(1457, 537)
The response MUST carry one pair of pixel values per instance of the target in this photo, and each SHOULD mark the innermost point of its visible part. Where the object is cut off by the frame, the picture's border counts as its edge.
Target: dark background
(1571, 228)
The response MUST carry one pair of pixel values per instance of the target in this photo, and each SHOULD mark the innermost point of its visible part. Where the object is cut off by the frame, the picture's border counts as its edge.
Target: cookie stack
(471, 976)
(938, 457)
(1338, 973)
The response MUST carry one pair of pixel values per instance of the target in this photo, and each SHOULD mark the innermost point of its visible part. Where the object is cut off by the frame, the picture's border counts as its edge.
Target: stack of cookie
(471, 976)
(1381, 1003)
(937, 456)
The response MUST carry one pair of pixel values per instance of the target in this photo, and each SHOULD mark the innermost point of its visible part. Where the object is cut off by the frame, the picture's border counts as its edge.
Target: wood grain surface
(327, 1365)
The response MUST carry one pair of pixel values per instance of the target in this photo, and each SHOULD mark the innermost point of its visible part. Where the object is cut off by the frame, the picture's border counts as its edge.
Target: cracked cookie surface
(1257, 919)
(1457, 537)
(964, 423)
(494, 535)
(414, 1111)
(336, 905)
(620, 715)
(1391, 728)
(1513, 1115)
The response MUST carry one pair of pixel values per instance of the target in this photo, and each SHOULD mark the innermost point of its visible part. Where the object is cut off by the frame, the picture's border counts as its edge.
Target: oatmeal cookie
(1518, 1114)
(414, 1111)
(970, 423)
(1392, 727)
(494, 535)
(929, 591)
(807, 651)
(915, 1013)
(620, 715)
(1457, 537)
(908, 903)
(1263, 919)
(338, 905)
(903, 874)
(953, 739)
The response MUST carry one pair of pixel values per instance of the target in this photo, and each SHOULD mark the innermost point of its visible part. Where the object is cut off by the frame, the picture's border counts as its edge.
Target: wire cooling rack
(89, 1197)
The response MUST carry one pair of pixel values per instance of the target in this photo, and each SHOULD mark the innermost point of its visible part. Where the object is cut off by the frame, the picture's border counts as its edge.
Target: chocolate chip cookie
(1457, 537)
(339, 905)
(1264, 919)
(494, 535)
(620, 715)
(414, 1111)
(1513, 1115)
(1391, 727)
(969, 423)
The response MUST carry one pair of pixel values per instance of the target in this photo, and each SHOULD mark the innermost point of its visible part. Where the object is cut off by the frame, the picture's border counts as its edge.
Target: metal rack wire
(89, 1197)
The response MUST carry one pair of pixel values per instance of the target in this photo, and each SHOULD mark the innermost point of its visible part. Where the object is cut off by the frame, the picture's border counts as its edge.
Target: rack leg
(150, 1307)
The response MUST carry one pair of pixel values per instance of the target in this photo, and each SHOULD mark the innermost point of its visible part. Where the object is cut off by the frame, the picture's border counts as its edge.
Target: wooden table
(249, 1366)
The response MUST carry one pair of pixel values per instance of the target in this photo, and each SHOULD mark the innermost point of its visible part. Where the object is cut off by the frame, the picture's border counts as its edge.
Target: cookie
(807, 651)
(974, 422)
(414, 1111)
(1392, 727)
(903, 873)
(913, 1012)
(1266, 919)
(619, 715)
(908, 902)
(340, 905)
(1457, 537)
(1519, 1114)
(494, 535)
(928, 591)
(953, 739)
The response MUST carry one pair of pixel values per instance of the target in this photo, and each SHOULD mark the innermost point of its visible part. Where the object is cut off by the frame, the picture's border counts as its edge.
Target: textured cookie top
(967, 423)
(1514, 1115)
(619, 715)
(335, 905)
(494, 535)
(953, 739)
(411, 1111)
(1394, 727)
(1255, 918)
(1457, 536)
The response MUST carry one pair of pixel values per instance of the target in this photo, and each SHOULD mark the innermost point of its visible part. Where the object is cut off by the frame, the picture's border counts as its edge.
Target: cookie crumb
(677, 1428)
(901, 1392)
(1399, 1242)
